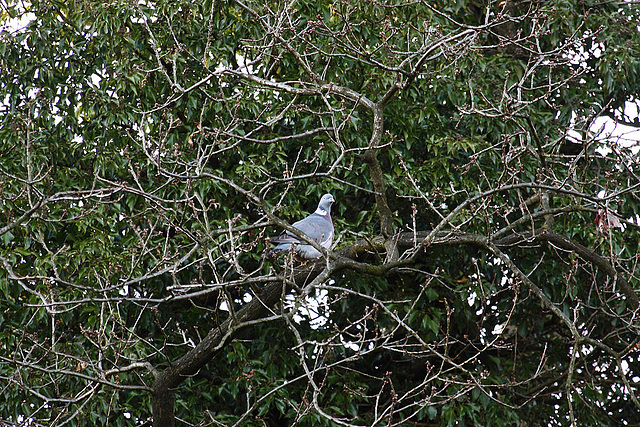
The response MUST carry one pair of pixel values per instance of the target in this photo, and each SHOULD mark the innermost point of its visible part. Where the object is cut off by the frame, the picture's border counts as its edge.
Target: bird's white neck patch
(320, 211)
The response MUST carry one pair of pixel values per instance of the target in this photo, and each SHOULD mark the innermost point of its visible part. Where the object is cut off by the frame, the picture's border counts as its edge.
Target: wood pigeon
(318, 226)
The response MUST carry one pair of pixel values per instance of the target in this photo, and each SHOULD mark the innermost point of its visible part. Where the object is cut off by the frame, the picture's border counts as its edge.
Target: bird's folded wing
(314, 226)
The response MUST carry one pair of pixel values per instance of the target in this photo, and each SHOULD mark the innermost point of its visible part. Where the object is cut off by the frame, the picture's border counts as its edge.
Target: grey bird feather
(318, 227)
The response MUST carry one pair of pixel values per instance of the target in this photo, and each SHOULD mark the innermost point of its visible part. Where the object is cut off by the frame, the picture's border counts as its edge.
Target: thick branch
(260, 307)
(189, 364)
(386, 217)
(595, 259)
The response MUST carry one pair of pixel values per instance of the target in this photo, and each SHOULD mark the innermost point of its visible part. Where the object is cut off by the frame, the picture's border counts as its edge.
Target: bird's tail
(272, 253)
(283, 247)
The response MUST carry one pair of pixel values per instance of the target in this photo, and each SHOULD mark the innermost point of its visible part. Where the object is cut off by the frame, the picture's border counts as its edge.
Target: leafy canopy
(486, 270)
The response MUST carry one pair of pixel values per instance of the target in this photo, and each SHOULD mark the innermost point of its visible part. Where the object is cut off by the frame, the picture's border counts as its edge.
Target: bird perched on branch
(318, 227)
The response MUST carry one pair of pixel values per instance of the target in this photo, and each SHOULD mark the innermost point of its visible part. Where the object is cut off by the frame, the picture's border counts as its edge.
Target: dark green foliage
(146, 151)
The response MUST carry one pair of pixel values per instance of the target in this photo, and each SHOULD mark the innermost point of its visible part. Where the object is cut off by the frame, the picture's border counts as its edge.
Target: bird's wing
(315, 226)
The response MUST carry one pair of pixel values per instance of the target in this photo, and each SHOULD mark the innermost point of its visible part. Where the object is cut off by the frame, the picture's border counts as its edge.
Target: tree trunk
(168, 380)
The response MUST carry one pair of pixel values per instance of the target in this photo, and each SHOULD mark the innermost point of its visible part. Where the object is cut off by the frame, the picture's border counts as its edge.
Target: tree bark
(168, 380)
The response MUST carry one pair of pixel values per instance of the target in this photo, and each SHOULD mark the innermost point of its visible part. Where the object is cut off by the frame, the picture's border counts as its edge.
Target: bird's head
(324, 206)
